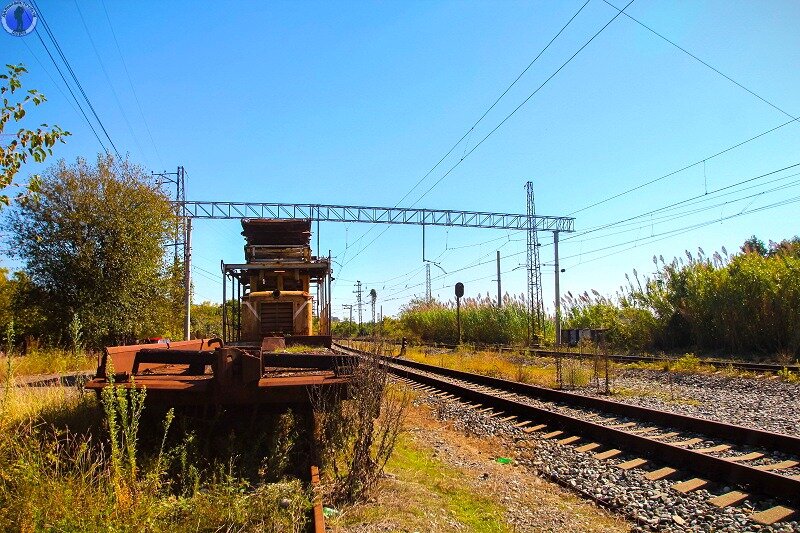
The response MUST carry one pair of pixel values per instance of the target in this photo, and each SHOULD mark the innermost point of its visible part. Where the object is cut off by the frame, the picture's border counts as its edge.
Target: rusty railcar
(279, 287)
(273, 306)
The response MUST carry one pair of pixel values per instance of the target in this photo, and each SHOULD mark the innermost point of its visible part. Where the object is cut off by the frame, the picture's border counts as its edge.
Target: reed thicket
(745, 303)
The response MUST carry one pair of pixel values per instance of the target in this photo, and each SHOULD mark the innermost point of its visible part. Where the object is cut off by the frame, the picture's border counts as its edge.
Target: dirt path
(443, 480)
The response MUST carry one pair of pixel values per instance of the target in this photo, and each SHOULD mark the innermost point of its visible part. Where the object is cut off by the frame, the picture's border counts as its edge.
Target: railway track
(696, 453)
(746, 366)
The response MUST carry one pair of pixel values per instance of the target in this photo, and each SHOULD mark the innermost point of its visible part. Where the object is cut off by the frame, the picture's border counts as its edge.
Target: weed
(787, 375)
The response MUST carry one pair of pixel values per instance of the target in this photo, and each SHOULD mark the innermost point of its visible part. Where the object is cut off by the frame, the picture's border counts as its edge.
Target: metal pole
(224, 306)
(187, 280)
(328, 294)
(558, 293)
(458, 318)
(499, 290)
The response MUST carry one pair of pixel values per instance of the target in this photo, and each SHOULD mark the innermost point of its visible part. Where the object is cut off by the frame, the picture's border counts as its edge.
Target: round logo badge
(19, 19)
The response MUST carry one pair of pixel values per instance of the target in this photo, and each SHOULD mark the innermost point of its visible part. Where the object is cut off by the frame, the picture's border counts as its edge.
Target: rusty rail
(720, 469)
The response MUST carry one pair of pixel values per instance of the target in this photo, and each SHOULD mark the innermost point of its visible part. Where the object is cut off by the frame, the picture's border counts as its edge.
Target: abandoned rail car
(273, 306)
(279, 287)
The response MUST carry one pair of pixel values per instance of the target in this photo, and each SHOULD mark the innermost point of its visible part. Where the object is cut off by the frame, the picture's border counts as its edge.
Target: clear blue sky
(353, 103)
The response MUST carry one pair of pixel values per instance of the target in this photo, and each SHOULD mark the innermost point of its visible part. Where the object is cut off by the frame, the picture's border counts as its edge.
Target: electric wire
(480, 119)
(73, 75)
(108, 79)
(690, 54)
(507, 117)
(130, 83)
(69, 88)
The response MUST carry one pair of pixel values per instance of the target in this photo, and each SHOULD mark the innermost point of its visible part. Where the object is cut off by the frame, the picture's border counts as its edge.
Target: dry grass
(47, 361)
(57, 473)
(442, 480)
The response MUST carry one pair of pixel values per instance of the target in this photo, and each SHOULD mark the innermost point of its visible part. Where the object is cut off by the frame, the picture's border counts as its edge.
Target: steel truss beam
(377, 215)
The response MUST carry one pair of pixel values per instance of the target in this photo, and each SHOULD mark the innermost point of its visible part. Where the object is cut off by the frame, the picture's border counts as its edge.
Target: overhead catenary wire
(727, 187)
(502, 122)
(641, 240)
(130, 83)
(72, 74)
(108, 79)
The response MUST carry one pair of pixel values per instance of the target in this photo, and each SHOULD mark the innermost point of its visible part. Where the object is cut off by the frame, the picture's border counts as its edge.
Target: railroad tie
(588, 447)
(690, 484)
(746, 457)
(642, 431)
(633, 463)
(552, 434)
(731, 498)
(772, 515)
(494, 414)
(508, 418)
(608, 454)
(666, 435)
(522, 424)
(687, 442)
(537, 427)
(623, 426)
(777, 466)
(569, 440)
(661, 473)
(713, 449)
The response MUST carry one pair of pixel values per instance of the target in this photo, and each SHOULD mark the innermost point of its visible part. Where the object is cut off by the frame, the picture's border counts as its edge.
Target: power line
(545, 82)
(480, 119)
(687, 52)
(58, 69)
(130, 82)
(108, 79)
(511, 114)
(50, 76)
(73, 75)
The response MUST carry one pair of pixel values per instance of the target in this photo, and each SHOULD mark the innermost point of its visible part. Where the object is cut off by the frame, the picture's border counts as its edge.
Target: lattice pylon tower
(428, 296)
(535, 301)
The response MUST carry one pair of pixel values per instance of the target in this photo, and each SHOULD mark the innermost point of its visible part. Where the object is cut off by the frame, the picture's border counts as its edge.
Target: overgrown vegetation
(743, 303)
(36, 144)
(356, 436)
(69, 463)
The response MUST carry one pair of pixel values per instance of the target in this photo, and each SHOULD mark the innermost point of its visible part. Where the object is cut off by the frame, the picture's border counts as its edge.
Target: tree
(27, 143)
(92, 244)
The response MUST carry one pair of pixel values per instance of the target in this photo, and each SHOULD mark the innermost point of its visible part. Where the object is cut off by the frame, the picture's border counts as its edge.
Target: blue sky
(353, 103)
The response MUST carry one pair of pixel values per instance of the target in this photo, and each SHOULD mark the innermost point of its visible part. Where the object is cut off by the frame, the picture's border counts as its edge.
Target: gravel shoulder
(461, 470)
(761, 402)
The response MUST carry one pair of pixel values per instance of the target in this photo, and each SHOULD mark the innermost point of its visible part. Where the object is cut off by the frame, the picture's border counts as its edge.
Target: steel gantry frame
(376, 215)
(529, 222)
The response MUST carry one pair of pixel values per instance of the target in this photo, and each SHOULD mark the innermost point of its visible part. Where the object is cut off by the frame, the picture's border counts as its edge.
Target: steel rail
(720, 469)
(739, 365)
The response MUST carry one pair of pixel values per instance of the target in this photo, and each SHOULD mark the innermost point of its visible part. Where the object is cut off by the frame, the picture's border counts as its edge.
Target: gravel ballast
(653, 505)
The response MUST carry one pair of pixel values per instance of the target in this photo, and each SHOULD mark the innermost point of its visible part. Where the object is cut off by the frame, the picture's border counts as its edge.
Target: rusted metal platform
(204, 372)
